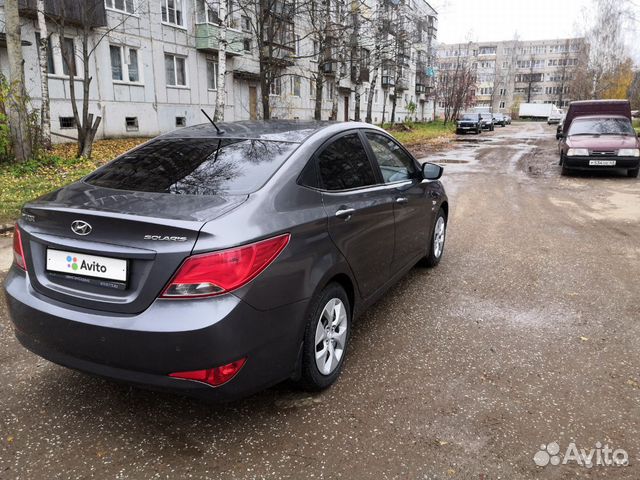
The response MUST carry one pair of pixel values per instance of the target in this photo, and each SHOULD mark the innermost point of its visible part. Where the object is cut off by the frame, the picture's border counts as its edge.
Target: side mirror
(431, 171)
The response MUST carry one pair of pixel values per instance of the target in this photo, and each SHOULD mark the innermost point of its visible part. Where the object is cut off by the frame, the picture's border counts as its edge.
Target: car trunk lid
(144, 237)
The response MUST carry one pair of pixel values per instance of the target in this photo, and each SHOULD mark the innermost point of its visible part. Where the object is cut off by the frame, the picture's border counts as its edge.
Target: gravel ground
(527, 333)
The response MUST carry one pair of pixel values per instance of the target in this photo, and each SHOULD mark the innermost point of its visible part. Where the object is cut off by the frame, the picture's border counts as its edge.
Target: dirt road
(526, 334)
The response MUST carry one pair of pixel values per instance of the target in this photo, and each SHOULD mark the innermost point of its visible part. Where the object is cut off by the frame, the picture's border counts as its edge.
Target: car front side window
(394, 163)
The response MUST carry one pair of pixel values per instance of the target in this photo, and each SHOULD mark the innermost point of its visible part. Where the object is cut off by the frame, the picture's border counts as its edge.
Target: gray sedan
(220, 261)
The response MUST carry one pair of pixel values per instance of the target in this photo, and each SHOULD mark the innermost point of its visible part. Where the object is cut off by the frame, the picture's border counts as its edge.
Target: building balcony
(330, 67)
(420, 88)
(388, 81)
(363, 76)
(402, 84)
(278, 56)
(208, 39)
(75, 13)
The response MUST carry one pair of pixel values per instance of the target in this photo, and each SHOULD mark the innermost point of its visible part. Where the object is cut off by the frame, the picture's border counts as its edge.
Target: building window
(312, 88)
(126, 6)
(116, 62)
(329, 90)
(124, 63)
(176, 70)
(212, 74)
(131, 124)
(51, 68)
(295, 85)
(208, 11)
(245, 23)
(297, 45)
(275, 87)
(67, 122)
(315, 52)
(68, 57)
(181, 121)
(246, 44)
(172, 12)
(502, 104)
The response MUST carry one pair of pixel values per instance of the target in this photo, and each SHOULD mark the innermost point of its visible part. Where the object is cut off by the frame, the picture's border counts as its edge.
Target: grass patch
(20, 183)
(416, 133)
(636, 125)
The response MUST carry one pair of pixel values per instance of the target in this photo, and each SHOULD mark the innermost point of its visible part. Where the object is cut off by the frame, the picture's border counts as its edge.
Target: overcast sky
(494, 20)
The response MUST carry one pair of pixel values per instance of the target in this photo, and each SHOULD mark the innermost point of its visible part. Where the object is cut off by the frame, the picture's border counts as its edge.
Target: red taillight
(221, 272)
(213, 376)
(18, 252)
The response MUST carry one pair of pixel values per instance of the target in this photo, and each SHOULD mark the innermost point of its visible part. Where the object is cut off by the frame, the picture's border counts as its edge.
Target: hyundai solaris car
(219, 262)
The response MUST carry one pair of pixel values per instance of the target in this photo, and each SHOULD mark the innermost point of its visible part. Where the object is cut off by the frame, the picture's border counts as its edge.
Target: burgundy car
(599, 135)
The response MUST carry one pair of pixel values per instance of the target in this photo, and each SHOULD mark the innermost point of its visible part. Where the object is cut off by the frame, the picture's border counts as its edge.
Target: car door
(412, 198)
(359, 209)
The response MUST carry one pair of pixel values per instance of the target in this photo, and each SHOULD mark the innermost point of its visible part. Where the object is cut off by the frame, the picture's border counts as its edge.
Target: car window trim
(322, 148)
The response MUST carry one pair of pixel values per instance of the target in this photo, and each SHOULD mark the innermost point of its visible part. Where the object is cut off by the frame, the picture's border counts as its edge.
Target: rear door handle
(345, 213)
(402, 200)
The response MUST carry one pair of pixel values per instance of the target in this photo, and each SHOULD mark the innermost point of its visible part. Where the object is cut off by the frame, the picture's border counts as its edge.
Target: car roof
(295, 131)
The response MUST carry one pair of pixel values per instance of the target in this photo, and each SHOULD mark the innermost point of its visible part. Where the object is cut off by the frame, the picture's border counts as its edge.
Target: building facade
(509, 73)
(155, 65)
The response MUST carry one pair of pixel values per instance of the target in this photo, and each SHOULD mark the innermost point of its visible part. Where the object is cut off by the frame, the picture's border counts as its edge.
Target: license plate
(602, 163)
(74, 263)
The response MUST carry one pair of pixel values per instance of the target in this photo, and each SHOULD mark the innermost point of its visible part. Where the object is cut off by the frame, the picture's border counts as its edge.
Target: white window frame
(175, 71)
(275, 89)
(111, 5)
(208, 10)
(312, 88)
(294, 79)
(213, 62)
(168, 21)
(124, 56)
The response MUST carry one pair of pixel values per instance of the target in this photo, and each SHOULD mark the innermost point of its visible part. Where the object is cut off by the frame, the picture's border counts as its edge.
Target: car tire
(492, 128)
(323, 331)
(437, 241)
(633, 172)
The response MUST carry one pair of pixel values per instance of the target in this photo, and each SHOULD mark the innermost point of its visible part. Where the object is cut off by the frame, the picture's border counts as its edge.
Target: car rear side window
(344, 164)
(195, 166)
(394, 163)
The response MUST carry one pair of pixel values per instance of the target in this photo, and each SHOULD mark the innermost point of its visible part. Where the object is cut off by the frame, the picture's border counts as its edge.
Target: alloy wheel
(331, 336)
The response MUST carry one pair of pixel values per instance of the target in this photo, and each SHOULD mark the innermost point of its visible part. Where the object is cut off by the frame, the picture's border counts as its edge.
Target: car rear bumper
(582, 163)
(142, 350)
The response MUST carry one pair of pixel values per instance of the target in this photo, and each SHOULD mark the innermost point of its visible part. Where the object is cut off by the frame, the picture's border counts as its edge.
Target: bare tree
(87, 22)
(43, 55)
(456, 86)
(17, 103)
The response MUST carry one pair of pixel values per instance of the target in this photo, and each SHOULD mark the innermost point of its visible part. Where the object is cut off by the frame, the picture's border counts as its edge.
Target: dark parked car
(499, 119)
(597, 142)
(469, 122)
(220, 263)
(487, 121)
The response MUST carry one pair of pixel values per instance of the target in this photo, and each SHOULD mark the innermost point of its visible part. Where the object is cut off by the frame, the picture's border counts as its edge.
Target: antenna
(220, 132)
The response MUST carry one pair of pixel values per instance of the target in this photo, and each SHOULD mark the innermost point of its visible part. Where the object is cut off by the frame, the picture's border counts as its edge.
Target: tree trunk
(221, 91)
(317, 114)
(264, 92)
(334, 102)
(394, 101)
(17, 104)
(384, 104)
(43, 47)
(356, 106)
(372, 88)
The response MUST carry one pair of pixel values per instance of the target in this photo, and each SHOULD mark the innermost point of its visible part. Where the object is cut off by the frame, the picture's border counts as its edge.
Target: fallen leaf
(584, 339)
(451, 472)
(633, 383)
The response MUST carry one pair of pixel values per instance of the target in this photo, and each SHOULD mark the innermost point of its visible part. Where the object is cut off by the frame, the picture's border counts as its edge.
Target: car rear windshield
(195, 166)
(601, 126)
